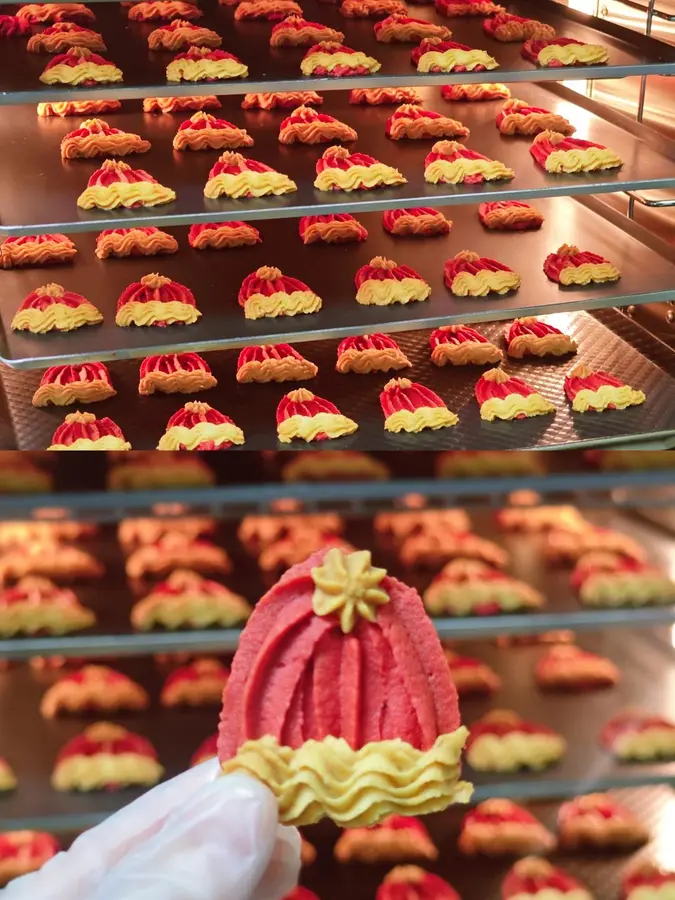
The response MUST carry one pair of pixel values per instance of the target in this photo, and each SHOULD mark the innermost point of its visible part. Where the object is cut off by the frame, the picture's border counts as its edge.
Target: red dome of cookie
(77, 56)
(156, 288)
(80, 373)
(456, 334)
(208, 749)
(413, 883)
(304, 403)
(103, 737)
(403, 394)
(173, 363)
(85, 426)
(13, 26)
(48, 295)
(113, 171)
(496, 384)
(268, 280)
(196, 417)
(381, 269)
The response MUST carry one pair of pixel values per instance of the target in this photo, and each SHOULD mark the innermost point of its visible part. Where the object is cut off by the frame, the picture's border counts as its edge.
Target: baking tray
(39, 190)
(270, 70)
(113, 597)
(31, 744)
(607, 340)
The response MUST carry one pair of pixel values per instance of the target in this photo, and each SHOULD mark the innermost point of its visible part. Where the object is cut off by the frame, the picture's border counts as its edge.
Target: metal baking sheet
(112, 636)
(39, 190)
(31, 744)
(608, 340)
(630, 54)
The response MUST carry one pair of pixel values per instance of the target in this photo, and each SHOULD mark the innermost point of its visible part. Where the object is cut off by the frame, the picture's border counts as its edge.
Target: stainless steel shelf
(38, 190)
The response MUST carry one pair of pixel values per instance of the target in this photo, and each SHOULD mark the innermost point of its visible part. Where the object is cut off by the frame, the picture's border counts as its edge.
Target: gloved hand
(196, 837)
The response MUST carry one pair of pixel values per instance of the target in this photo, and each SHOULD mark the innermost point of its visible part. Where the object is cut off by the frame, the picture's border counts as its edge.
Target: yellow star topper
(347, 584)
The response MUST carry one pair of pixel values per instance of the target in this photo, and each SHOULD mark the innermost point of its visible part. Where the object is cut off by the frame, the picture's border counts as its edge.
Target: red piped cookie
(93, 689)
(83, 431)
(565, 545)
(518, 117)
(382, 282)
(471, 583)
(421, 221)
(179, 34)
(472, 677)
(565, 667)
(198, 426)
(598, 822)
(268, 10)
(410, 121)
(307, 126)
(337, 603)
(609, 579)
(167, 105)
(199, 683)
(162, 10)
(41, 13)
(175, 373)
(36, 250)
(204, 64)
(457, 8)
(638, 736)
(460, 345)
(295, 31)
(187, 600)
(175, 550)
(646, 879)
(117, 184)
(594, 390)
(208, 749)
(371, 9)
(412, 407)
(52, 308)
(370, 353)
(223, 235)
(95, 137)
(267, 292)
(79, 383)
(80, 66)
(451, 163)
(563, 51)
(235, 176)
(503, 742)
(106, 757)
(282, 100)
(530, 336)
(202, 131)
(400, 28)
(121, 242)
(436, 55)
(541, 880)
(156, 300)
(500, 827)
(475, 92)
(503, 396)
(35, 605)
(558, 154)
(58, 38)
(413, 883)
(337, 169)
(339, 228)
(22, 852)
(469, 275)
(509, 215)
(571, 266)
(273, 362)
(395, 839)
(332, 58)
(78, 108)
(507, 28)
(13, 26)
(304, 416)
(383, 96)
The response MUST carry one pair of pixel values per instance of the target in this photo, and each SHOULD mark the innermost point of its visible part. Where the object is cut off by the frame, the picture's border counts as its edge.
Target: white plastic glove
(196, 837)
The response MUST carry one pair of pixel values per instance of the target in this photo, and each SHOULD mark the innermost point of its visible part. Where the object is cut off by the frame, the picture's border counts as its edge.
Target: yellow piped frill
(205, 69)
(484, 282)
(16, 255)
(143, 193)
(652, 743)
(468, 353)
(570, 54)
(257, 184)
(446, 61)
(364, 361)
(74, 75)
(357, 177)
(278, 370)
(383, 293)
(179, 437)
(93, 773)
(176, 382)
(259, 306)
(172, 312)
(189, 610)
(590, 160)
(546, 345)
(516, 750)
(356, 788)
(107, 442)
(25, 617)
(307, 428)
(610, 589)
(415, 421)
(598, 273)
(7, 778)
(607, 395)
(330, 61)
(65, 394)
(57, 317)
(515, 405)
(462, 599)
(136, 242)
(441, 171)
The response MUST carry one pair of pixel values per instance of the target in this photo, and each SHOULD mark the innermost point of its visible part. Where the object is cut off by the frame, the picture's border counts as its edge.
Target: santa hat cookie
(451, 163)
(80, 66)
(179, 34)
(475, 92)
(436, 55)
(188, 600)
(40, 13)
(339, 228)
(401, 28)
(530, 336)
(12, 26)
(36, 605)
(335, 603)
(413, 883)
(83, 431)
(410, 406)
(202, 131)
(223, 235)
(595, 390)
(565, 667)
(469, 275)
(538, 879)
(174, 550)
(158, 10)
(458, 8)
(36, 250)
(93, 688)
(571, 266)
(339, 170)
(635, 735)
(294, 31)
(281, 100)
(507, 29)
(562, 51)
(413, 122)
(499, 827)
(307, 126)
(334, 60)
(268, 293)
(606, 579)
(304, 416)
(597, 822)
(420, 221)
(383, 96)
(117, 184)
(198, 426)
(203, 64)
(646, 878)
(208, 749)
(269, 10)
(236, 176)
(370, 353)
(509, 215)
(22, 852)
(175, 373)
(503, 742)
(79, 383)
(95, 137)
(52, 308)
(106, 756)
(558, 154)
(503, 396)
(156, 300)
(199, 683)
(460, 345)
(382, 282)
(147, 241)
(518, 117)
(472, 587)
(395, 839)
(472, 677)
(273, 362)
(58, 38)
